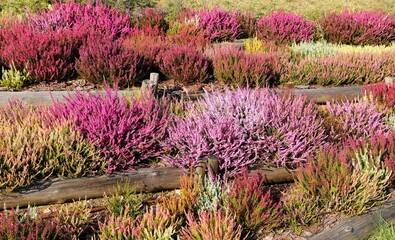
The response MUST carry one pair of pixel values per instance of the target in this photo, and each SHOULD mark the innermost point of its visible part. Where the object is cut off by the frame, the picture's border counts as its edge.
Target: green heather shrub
(315, 49)
(347, 182)
(125, 198)
(219, 225)
(13, 78)
(339, 69)
(213, 195)
(30, 151)
(155, 224)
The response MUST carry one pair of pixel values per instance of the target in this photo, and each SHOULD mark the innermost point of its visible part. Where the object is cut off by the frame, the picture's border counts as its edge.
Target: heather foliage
(358, 28)
(13, 226)
(48, 56)
(339, 69)
(219, 225)
(105, 59)
(248, 23)
(126, 133)
(253, 207)
(213, 195)
(235, 68)
(30, 151)
(219, 25)
(282, 27)
(382, 94)
(152, 18)
(315, 49)
(243, 126)
(184, 64)
(357, 118)
(125, 201)
(336, 181)
(14, 78)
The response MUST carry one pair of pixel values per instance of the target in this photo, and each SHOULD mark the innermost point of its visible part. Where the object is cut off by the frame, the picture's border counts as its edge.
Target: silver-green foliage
(213, 194)
(14, 78)
(315, 49)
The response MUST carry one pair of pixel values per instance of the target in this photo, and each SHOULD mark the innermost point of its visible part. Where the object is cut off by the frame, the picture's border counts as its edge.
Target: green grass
(384, 231)
(312, 9)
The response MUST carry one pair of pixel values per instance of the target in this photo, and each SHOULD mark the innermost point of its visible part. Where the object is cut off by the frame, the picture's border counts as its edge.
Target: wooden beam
(144, 180)
(359, 227)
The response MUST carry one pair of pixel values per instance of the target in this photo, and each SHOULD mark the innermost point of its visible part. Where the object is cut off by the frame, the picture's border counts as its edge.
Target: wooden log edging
(359, 227)
(143, 180)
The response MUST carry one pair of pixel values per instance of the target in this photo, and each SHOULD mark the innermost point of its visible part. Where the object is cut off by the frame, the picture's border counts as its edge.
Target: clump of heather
(357, 118)
(31, 151)
(381, 93)
(243, 126)
(358, 28)
(152, 18)
(212, 225)
(253, 207)
(127, 131)
(334, 181)
(219, 25)
(103, 58)
(283, 27)
(184, 64)
(236, 68)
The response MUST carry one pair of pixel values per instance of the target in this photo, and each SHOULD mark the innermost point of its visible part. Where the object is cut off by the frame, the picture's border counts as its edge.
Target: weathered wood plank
(144, 180)
(359, 227)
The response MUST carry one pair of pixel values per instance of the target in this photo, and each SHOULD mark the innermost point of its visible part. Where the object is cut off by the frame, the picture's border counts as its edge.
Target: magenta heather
(219, 25)
(283, 27)
(126, 131)
(245, 126)
(358, 28)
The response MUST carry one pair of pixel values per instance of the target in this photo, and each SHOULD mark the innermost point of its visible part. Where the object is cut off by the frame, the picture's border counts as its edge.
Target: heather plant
(14, 78)
(235, 68)
(83, 17)
(282, 27)
(358, 28)
(219, 225)
(213, 195)
(125, 198)
(126, 133)
(243, 126)
(339, 69)
(184, 64)
(255, 45)
(152, 18)
(357, 118)
(105, 59)
(377, 49)
(382, 94)
(248, 22)
(253, 207)
(47, 55)
(187, 33)
(30, 151)
(219, 25)
(315, 49)
(118, 228)
(12, 227)
(339, 182)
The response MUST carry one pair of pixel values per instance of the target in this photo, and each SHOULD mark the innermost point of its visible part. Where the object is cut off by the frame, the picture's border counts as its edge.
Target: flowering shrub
(315, 49)
(358, 28)
(219, 25)
(242, 126)
(93, 16)
(126, 133)
(282, 27)
(48, 56)
(356, 118)
(234, 67)
(184, 64)
(105, 59)
(13, 227)
(186, 33)
(335, 182)
(248, 22)
(153, 18)
(382, 94)
(253, 207)
(219, 225)
(30, 151)
(340, 69)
